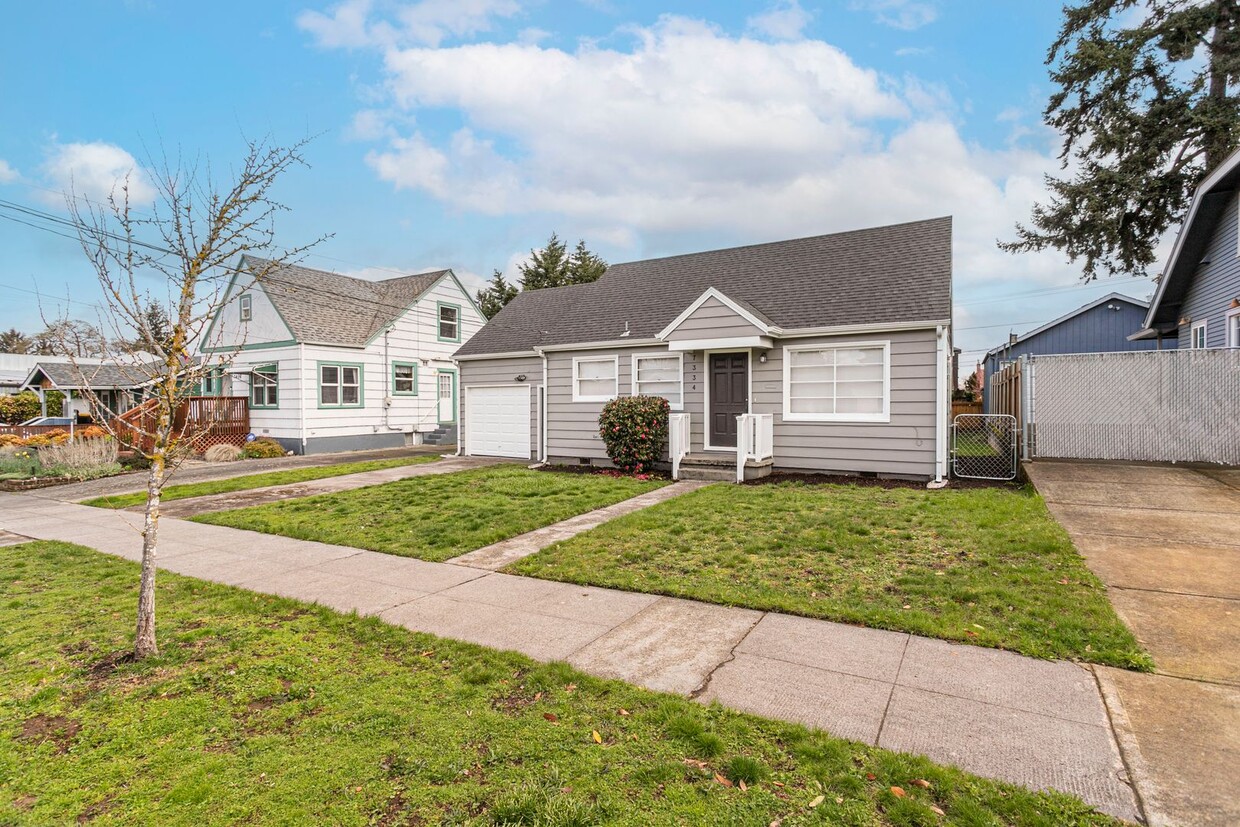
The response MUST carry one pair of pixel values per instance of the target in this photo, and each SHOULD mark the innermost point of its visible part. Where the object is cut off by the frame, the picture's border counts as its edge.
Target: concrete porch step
(720, 467)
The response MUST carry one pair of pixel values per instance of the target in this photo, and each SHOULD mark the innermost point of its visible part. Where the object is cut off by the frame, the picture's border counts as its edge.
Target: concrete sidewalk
(1036, 723)
(196, 470)
(1166, 542)
(190, 506)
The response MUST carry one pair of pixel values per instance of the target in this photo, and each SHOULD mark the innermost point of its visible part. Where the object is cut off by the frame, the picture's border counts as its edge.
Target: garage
(497, 421)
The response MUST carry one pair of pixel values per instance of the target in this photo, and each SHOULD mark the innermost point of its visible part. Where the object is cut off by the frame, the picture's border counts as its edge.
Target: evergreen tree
(498, 293)
(14, 341)
(553, 266)
(1146, 110)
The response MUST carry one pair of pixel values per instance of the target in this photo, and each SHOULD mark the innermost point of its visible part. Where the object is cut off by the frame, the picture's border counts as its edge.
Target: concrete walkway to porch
(1166, 542)
(1036, 723)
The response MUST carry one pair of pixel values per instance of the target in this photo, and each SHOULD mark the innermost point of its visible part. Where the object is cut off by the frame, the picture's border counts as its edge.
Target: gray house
(829, 353)
(1198, 297)
(1102, 326)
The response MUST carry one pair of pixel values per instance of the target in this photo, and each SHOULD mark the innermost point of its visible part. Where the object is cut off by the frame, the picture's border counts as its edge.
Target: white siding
(264, 327)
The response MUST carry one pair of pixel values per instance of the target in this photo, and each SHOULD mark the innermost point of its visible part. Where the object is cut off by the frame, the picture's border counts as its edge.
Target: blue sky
(460, 133)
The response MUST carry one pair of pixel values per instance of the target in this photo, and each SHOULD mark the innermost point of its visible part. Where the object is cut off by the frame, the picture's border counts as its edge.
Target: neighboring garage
(497, 421)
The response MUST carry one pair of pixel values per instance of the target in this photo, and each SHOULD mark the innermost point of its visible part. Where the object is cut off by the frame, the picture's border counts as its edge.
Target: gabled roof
(883, 275)
(1209, 201)
(328, 308)
(64, 376)
(1109, 297)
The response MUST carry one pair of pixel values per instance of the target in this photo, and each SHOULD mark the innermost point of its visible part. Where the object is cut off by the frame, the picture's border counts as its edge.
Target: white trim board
(717, 295)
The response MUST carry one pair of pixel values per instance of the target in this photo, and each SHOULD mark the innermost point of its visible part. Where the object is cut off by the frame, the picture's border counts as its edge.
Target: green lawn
(986, 566)
(439, 516)
(245, 483)
(265, 711)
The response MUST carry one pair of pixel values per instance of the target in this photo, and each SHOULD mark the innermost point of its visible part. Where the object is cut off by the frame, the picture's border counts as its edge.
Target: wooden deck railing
(207, 420)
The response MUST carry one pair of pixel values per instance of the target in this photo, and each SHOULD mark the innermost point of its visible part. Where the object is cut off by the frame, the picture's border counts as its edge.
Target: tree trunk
(144, 641)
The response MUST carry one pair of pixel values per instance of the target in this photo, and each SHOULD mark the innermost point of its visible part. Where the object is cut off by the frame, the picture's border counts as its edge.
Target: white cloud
(94, 170)
(429, 22)
(7, 173)
(900, 14)
(784, 20)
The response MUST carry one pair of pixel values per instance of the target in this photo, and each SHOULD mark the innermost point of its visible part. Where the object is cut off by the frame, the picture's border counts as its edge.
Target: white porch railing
(755, 440)
(677, 440)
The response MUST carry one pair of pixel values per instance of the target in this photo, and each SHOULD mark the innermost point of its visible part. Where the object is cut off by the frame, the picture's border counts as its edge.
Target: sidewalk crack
(705, 684)
(896, 682)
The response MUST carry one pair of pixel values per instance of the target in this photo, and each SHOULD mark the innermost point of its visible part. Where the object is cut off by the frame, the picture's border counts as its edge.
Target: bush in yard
(262, 448)
(634, 430)
(52, 437)
(19, 407)
(85, 458)
(10, 439)
(222, 453)
(91, 432)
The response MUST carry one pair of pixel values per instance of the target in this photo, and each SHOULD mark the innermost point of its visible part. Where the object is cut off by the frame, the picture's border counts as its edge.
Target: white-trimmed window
(660, 374)
(245, 305)
(1197, 335)
(594, 378)
(1233, 327)
(340, 386)
(838, 383)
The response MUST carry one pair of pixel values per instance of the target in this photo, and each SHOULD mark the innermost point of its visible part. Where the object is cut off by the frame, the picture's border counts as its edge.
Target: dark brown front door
(729, 396)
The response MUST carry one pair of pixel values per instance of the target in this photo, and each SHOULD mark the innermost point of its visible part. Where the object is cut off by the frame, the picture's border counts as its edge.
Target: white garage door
(497, 421)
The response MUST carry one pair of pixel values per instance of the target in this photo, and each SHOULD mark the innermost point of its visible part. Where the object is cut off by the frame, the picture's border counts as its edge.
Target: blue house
(1198, 298)
(1102, 326)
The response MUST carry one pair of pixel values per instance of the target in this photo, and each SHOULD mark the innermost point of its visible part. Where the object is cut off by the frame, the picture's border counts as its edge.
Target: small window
(1197, 337)
(404, 379)
(449, 322)
(213, 382)
(594, 378)
(340, 386)
(660, 375)
(264, 387)
(1233, 328)
(246, 303)
(842, 384)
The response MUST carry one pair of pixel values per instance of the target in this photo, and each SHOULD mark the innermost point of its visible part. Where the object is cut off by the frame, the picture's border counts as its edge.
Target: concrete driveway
(1166, 541)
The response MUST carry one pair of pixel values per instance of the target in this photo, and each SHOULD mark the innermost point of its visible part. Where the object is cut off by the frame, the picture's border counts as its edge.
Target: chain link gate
(984, 446)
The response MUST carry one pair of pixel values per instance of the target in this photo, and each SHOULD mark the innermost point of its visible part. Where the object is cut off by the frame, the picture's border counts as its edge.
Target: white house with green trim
(334, 363)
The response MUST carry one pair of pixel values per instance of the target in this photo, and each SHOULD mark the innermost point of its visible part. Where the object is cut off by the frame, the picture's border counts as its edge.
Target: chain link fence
(1154, 406)
(984, 446)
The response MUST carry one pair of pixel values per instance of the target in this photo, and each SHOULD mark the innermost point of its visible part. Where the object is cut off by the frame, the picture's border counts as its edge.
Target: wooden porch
(206, 420)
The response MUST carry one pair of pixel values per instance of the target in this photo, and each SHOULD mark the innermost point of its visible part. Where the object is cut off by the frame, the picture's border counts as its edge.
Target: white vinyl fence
(1165, 406)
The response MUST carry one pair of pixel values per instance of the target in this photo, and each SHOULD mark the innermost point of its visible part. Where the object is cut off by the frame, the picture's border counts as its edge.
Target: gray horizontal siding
(713, 320)
(1216, 282)
(904, 446)
(502, 372)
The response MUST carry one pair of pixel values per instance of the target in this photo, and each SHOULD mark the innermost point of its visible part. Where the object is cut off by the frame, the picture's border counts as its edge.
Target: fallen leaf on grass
(551, 716)
(920, 782)
(570, 687)
(428, 653)
(778, 783)
(869, 776)
(937, 811)
(538, 696)
(693, 762)
(598, 739)
(839, 799)
(817, 801)
(741, 784)
(624, 712)
(725, 782)
(898, 792)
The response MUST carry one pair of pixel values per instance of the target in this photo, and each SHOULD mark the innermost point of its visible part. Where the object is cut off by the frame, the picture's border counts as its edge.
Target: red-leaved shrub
(634, 430)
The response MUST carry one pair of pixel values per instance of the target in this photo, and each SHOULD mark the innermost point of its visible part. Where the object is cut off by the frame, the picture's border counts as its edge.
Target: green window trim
(272, 371)
(396, 391)
(245, 307)
(439, 321)
(340, 385)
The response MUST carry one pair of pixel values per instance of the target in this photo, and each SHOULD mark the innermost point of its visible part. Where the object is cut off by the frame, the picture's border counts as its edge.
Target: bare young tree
(192, 240)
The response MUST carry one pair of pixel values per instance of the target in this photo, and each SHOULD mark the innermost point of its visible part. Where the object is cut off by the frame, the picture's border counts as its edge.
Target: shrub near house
(634, 430)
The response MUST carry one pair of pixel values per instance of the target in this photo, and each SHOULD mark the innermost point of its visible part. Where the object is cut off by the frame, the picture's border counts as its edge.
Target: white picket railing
(677, 440)
(755, 440)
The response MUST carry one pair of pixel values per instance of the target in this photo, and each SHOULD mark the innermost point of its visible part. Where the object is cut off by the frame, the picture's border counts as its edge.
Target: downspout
(387, 389)
(542, 409)
(301, 408)
(940, 409)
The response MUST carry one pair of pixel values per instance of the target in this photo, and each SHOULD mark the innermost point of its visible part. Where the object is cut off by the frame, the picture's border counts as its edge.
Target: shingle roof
(328, 308)
(527, 321)
(64, 375)
(892, 274)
